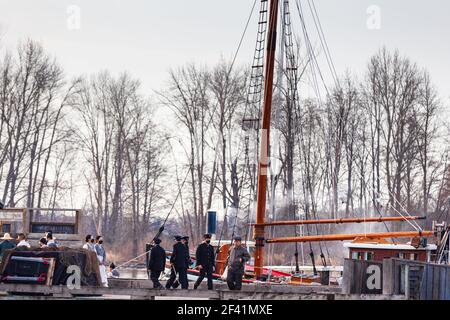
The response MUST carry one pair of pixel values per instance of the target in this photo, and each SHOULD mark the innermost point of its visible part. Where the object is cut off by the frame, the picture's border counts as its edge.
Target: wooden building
(377, 250)
(34, 222)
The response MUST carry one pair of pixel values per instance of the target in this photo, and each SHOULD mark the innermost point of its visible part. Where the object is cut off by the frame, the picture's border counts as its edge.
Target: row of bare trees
(206, 105)
(93, 139)
(373, 146)
(35, 141)
(123, 152)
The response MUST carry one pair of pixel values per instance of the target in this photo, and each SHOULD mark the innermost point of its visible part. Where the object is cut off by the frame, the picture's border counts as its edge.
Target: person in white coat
(101, 255)
(89, 245)
(22, 239)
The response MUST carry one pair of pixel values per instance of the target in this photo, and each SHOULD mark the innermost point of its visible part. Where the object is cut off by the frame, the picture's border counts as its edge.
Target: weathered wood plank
(248, 292)
(347, 276)
(388, 277)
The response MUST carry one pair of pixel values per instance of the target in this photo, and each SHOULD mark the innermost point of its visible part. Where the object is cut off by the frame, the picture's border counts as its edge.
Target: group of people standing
(96, 245)
(180, 262)
(180, 259)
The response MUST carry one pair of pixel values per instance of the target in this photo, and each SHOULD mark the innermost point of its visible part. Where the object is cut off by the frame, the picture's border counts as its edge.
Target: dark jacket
(157, 260)
(188, 255)
(204, 256)
(180, 256)
(5, 245)
(237, 258)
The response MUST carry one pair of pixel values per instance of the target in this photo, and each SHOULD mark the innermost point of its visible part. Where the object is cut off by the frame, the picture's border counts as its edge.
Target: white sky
(147, 37)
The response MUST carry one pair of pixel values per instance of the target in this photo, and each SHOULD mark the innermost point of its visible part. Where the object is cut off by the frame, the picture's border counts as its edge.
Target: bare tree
(187, 96)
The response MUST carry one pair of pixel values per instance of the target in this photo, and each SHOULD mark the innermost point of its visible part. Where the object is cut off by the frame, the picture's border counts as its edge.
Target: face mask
(207, 241)
(92, 240)
(100, 242)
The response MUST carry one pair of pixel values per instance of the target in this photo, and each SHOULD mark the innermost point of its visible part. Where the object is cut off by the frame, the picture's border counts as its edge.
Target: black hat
(178, 238)
(237, 238)
(185, 238)
(207, 236)
(157, 241)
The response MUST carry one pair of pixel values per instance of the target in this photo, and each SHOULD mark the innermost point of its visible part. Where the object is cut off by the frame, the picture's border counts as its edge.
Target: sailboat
(363, 245)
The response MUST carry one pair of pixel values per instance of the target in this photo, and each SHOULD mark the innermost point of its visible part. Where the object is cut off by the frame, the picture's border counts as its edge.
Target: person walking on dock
(157, 263)
(6, 243)
(205, 261)
(101, 256)
(237, 258)
(179, 264)
(185, 241)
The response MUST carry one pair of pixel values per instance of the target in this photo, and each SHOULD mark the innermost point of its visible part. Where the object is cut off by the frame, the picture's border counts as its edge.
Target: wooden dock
(141, 290)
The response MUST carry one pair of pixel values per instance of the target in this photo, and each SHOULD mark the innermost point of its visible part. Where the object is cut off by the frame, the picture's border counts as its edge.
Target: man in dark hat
(157, 263)
(205, 261)
(179, 264)
(237, 258)
(173, 282)
(185, 241)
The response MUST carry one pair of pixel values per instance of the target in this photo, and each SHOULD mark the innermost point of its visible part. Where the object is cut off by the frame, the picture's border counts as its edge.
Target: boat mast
(263, 165)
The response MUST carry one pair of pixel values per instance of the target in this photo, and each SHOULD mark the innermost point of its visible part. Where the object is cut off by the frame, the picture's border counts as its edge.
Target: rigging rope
(313, 9)
(161, 229)
(292, 76)
(243, 36)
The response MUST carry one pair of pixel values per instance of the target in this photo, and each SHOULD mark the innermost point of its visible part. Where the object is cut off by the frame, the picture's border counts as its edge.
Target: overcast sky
(147, 37)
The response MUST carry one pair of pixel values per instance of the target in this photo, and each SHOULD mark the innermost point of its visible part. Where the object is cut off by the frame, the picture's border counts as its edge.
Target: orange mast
(341, 237)
(336, 221)
(259, 229)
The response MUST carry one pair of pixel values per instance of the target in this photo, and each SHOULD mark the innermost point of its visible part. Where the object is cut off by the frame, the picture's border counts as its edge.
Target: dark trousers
(234, 280)
(154, 276)
(182, 278)
(209, 275)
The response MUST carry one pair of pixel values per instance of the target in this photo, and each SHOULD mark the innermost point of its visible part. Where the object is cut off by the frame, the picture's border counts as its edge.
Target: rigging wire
(229, 72)
(243, 36)
(314, 66)
(161, 229)
(323, 41)
(313, 9)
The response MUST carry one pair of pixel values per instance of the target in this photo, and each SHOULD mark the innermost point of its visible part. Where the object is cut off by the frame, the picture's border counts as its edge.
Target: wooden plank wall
(426, 281)
(356, 274)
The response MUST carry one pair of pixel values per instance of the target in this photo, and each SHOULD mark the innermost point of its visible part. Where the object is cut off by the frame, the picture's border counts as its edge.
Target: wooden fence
(412, 279)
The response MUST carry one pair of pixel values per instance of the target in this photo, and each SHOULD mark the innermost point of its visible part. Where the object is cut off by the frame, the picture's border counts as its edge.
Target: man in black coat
(185, 241)
(205, 261)
(179, 264)
(157, 263)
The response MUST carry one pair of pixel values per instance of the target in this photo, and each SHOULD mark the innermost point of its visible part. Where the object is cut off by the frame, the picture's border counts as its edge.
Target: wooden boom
(341, 237)
(337, 221)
